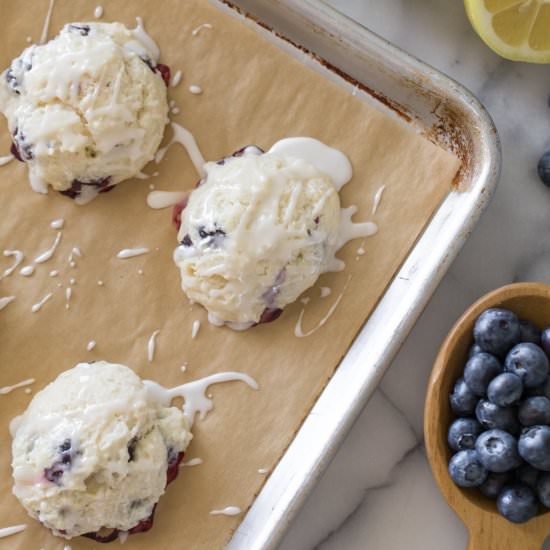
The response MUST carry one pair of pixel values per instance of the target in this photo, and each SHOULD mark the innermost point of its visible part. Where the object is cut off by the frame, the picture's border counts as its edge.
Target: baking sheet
(252, 94)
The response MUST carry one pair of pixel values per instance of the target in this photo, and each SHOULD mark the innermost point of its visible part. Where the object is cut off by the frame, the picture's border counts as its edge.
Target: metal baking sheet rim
(461, 117)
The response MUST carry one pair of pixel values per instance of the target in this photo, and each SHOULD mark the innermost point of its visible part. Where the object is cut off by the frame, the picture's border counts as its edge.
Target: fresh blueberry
(492, 416)
(528, 475)
(529, 332)
(545, 341)
(474, 349)
(497, 451)
(534, 410)
(534, 447)
(543, 489)
(517, 503)
(63, 463)
(463, 433)
(494, 483)
(132, 444)
(480, 370)
(505, 389)
(543, 168)
(466, 470)
(543, 389)
(496, 331)
(83, 30)
(529, 362)
(463, 400)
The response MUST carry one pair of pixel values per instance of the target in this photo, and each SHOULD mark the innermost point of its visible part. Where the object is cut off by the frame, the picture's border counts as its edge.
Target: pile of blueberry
(501, 436)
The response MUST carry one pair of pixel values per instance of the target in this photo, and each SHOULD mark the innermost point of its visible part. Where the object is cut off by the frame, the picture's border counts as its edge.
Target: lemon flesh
(515, 29)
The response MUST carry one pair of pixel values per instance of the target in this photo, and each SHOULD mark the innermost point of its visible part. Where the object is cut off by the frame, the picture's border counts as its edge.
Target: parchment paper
(253, 93)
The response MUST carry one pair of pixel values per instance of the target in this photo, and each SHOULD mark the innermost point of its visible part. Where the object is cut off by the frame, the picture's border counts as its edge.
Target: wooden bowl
(487, 529)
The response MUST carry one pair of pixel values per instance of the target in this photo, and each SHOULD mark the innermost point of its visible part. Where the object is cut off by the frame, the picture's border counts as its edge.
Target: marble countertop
(378, 493)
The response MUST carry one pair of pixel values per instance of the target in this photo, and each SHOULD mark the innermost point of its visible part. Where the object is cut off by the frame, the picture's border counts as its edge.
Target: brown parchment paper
(253, 93)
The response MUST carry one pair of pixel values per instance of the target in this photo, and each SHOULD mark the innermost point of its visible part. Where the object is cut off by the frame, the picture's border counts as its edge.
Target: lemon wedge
(514, 29)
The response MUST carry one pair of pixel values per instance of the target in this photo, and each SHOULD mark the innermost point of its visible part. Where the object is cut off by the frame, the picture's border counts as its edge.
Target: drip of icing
(27, 271)
(67, 547)
(164, 199)
(142, 36)
(75, 252)
(347, 231)
(9, 389)
(176, 79)
(213, 319)
(18, 258)
(91, 345)
(360, 251)
(57, 224)
(325, 291)
(200, 27)
(228, 511)
(100, 283)
(193, 462)
(151, 346)
(183, 368)
(68, 294)
(263, 471)
(45, 28)
(7, 531)
(377, 199)
(186, 139)
(305, 300)
(194, 393)
(28, 39)
(326, 159)
(54, 273)
(5, 160)
(38, 306)
(195, 89)
(6, 301)
(195, 328)
(72, 281)
(131, 253)
(98, 12)
(299, 333)
(45, 256)
(122, 536)
(142, 176)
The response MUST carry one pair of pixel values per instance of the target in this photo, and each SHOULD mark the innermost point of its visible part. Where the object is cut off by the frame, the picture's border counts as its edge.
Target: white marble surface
(378, 493)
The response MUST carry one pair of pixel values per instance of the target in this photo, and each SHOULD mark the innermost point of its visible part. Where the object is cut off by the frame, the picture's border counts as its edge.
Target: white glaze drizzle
(91, 345)
(193, 462)
(194, 393)
(195, 328)
(195, 89)
(377, 199)
(72, 281)
(47, 254)
(361, 251)
(176, 79)
(58, 223)
(5, 160)
(228, 511)
(325, 291)
(165, 199)
(151, 346)
(54, 273)
(197, 31)
(326, 159)
(75, 252)
(122, 536)
(6, 301)
(347, 231)
(98, 12)
(142, 36)
(8, 389)
(18, 258)
(68, 294)
(126, 253)
(142, 176)
(45, 28)
(28, 39)
(100, 283)
(28, 391)
(27, 271)
(299, 333)
(186, 139)
(7, 531)
(263, 471)
(38, 306)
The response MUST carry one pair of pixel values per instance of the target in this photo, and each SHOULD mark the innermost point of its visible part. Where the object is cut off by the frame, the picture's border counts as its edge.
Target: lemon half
(515, 29)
